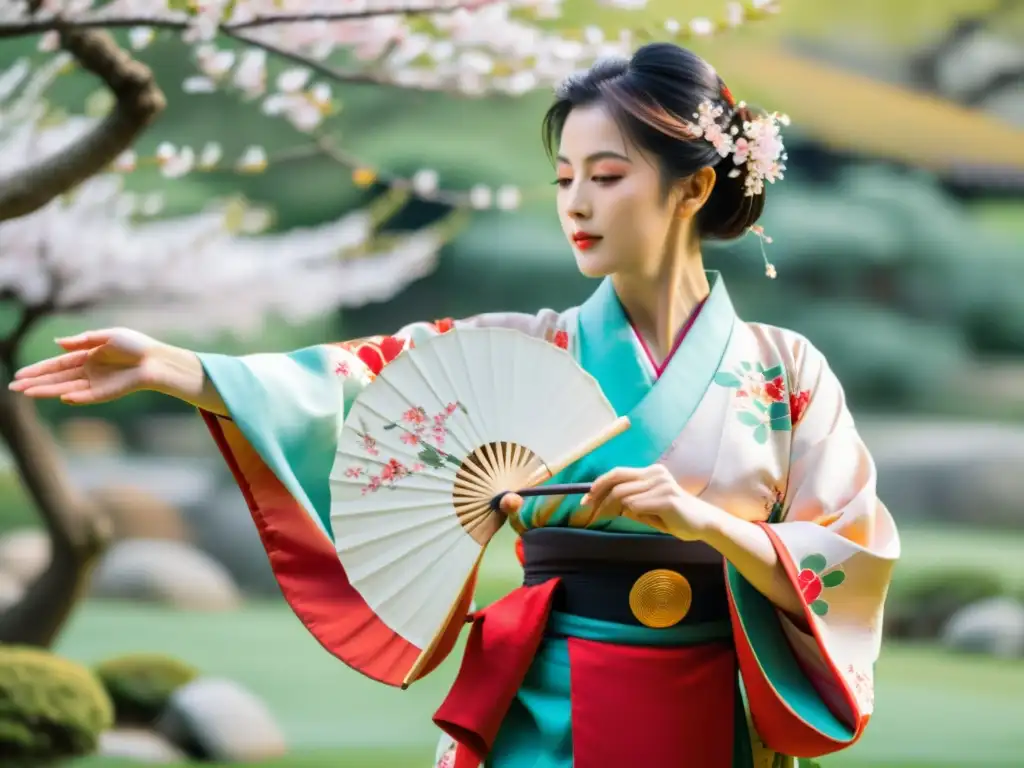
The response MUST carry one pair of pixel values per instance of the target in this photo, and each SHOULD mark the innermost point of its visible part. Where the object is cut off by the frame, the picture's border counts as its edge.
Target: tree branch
(139, 102)
(996, 82)
(9, 344)
(79, 531)
(338, 76)
(926, 65)
(35, 26)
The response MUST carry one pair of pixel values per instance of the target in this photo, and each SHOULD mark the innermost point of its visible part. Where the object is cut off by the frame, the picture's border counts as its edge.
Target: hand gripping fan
(426, 449)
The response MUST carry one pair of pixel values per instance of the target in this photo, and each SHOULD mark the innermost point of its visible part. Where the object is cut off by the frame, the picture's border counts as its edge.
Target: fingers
(614, 502)
(650, 501)
(601, 487)
(47, 379)
(48, 367)
(57, 389)
(104, 391)
(511, 503)
(124, 340)
(87, 340)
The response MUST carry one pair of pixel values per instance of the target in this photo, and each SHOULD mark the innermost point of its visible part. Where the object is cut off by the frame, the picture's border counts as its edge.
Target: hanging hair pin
(769, 268)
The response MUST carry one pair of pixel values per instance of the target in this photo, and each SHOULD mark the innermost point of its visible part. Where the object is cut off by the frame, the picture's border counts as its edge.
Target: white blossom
(508, 198)
(141, 37)
(457, 47)
(701, 26)
(425, 182)
(253, 160)
(102, 246)
(99, 250)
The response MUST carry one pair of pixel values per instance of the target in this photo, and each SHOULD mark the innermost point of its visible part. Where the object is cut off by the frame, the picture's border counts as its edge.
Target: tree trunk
(78, 530)
(139, 102)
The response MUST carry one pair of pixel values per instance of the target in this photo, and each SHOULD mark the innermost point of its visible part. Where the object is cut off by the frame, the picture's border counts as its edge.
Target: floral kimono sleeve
(285, 413)
(809, 679)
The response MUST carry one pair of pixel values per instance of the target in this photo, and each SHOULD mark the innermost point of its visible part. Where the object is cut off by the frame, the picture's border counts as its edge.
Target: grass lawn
(933, 709)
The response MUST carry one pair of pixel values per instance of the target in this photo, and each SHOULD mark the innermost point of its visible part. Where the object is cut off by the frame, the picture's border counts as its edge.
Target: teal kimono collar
(658, 410)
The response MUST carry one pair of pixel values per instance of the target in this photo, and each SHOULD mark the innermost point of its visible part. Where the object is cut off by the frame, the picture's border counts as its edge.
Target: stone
(165, 572)
(24, 554)
(140, 745)
(218, 720)
(994, 627)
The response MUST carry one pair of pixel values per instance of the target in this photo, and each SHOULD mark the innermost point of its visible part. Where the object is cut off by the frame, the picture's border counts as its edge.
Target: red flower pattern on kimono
(444, 325)
(763, 400)
(775, 390)
(376, 351)
(814, 577)
(557, 337)
(798, 402)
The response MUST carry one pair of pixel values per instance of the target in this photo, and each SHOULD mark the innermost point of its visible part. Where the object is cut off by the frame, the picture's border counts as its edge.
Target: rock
(91, 436)
(167, 435)
(994, 627)
(165, 572)
(24, 554)
(220, 721)
(140, 745)
(137, 514)
(944, 471)
(223, 528)
(11, 590)
(178, 481)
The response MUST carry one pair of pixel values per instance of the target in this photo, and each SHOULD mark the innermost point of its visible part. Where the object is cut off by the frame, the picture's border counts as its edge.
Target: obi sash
(653, 674)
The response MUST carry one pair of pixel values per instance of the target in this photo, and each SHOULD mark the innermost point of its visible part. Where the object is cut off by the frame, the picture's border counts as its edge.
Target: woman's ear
(694, 192)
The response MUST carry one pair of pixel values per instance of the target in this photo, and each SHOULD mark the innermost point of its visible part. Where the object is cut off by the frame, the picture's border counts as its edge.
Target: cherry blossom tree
(73, 238)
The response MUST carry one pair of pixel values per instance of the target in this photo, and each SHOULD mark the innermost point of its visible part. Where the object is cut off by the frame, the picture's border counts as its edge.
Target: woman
(716, 600)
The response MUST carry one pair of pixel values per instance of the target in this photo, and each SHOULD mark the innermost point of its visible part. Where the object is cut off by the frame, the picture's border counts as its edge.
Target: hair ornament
(755, 145)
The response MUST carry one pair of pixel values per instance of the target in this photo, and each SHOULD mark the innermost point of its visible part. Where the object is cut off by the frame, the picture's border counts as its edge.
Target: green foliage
(51, 708)
(140, 684)
(16, 509)
(920, 603)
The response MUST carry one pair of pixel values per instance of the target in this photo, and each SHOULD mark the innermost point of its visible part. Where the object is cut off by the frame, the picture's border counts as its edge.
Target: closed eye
(563, 183)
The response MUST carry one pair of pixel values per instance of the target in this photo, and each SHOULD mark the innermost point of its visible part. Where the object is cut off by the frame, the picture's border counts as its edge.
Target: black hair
(653, 96)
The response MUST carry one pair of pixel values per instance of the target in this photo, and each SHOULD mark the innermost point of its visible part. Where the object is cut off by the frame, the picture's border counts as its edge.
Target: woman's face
(610, 190)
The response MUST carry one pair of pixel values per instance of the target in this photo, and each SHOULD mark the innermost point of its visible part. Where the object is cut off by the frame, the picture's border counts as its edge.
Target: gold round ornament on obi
(660, 598)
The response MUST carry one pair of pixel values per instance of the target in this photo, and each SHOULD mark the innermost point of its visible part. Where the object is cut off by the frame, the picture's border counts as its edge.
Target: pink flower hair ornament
(755, 145)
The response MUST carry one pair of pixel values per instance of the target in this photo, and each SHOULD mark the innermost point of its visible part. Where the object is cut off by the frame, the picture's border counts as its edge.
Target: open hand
(650, 495)
(96, 367)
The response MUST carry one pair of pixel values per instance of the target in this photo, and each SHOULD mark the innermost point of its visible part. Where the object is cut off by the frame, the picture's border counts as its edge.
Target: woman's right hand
(96, 367)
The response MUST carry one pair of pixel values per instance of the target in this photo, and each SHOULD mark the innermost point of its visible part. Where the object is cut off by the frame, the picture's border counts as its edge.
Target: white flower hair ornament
(755, 146)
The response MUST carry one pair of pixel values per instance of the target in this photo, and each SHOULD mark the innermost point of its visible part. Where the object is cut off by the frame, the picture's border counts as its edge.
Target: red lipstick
(584, 240)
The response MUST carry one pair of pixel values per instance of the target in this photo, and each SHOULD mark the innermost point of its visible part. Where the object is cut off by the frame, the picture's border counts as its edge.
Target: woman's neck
(659, 306)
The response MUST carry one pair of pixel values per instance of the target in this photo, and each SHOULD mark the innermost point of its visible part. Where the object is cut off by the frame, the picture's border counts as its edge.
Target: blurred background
(899, 242)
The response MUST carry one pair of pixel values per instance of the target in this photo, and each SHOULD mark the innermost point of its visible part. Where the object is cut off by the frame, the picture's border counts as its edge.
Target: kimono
(623, 646)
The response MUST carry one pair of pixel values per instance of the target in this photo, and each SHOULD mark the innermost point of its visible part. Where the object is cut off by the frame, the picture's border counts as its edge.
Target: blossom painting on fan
(714, 599)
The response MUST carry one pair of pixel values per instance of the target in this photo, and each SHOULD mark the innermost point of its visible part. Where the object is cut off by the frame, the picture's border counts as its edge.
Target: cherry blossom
(96, 246)
(100, 248)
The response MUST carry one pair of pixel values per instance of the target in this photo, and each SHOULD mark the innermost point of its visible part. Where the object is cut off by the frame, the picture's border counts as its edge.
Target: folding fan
(426, 450)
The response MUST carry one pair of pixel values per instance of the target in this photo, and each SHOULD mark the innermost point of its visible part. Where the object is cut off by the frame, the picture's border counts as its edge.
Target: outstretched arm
(104, 365)
(181, 375)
